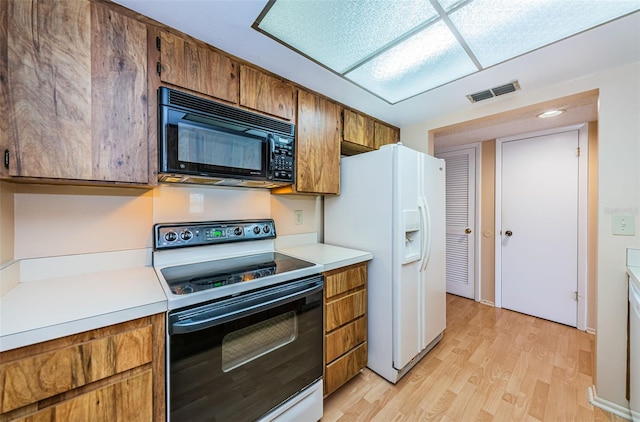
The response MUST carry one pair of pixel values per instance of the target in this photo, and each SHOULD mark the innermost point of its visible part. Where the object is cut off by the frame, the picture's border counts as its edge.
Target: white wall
(47, 220)
(619, 191)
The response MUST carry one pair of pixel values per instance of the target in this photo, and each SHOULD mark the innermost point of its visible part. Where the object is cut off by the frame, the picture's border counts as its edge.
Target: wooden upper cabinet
(197, 67)
(317, 145)
(358, 131)
(261, 92)
(384, 135)
(75, 92)
(118, 97)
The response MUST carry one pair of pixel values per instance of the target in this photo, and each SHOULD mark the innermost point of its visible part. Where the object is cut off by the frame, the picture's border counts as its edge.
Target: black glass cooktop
(190, 278)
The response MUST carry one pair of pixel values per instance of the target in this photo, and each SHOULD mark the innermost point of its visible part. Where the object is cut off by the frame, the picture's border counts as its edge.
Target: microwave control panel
(283, 159)
(168, 236)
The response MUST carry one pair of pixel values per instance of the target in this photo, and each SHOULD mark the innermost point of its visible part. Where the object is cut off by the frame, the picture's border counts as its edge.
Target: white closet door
(461, 205)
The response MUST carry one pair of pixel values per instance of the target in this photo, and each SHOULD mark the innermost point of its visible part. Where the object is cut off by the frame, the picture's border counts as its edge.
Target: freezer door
(407, 238)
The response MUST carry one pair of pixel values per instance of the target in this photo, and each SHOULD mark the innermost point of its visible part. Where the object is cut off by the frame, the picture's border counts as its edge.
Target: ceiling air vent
(494, 92)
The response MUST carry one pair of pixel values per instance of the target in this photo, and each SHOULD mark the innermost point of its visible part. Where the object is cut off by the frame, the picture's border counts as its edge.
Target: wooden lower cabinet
(345, 306)
(114, 373)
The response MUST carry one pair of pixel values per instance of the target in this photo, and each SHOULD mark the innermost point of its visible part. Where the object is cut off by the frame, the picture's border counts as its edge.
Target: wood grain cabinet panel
(345, 368)
(46, 375)
(345, 324)
(317, 145)
(384, 135)
(118, 97)
(357, 132)
(267, 94)
(197, 67)
(345, 338)
(75, 92)
(342, 280)
(114, 373)
(129, 400)
(48, 88)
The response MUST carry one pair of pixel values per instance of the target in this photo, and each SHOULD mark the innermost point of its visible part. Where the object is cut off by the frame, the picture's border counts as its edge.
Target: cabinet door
(358, 129)
(75, 92)
(384, 135)
(317, 145)
(264, 93)
(48, 89)
(197, 68)
(118, 97)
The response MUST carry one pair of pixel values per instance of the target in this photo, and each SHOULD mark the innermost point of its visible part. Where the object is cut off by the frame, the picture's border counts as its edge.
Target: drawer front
(345, 338)
(345, 309)
(343, 280)
(345, 368)
(52, 373)
(127, 400)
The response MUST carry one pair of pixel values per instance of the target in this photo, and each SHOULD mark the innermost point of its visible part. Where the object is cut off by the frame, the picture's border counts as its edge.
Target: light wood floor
(491, 365)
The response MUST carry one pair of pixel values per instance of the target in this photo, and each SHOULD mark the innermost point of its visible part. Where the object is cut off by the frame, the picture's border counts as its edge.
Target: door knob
(467, 230)
(508, 233)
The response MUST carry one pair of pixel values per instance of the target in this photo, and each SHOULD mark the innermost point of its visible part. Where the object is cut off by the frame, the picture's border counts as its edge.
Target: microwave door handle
(272, 155)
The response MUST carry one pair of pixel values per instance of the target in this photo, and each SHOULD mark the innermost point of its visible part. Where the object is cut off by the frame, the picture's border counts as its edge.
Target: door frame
(477, 146)
(583, 161)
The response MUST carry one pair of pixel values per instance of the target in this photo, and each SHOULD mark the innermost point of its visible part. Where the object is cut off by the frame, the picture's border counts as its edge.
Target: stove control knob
(237, 231)
(170, 236)
(266, 229)
(256, 230)
(186, 235)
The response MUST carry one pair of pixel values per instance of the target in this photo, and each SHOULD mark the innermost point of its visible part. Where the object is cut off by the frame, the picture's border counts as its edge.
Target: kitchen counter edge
(35, 311)
(330, 257)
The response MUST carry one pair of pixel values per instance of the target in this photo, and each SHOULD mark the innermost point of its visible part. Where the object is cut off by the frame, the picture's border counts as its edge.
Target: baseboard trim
(590, 330)
(607, 405)
(487, 302)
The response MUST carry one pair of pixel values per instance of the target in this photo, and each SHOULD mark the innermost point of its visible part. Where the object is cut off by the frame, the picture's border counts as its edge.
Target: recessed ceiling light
(551, 113)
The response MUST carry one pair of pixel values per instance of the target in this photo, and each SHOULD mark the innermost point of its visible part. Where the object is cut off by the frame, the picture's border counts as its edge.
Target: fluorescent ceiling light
(397, 49)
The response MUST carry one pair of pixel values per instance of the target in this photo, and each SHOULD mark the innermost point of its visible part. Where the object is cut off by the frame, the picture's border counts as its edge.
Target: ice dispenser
(412, 233)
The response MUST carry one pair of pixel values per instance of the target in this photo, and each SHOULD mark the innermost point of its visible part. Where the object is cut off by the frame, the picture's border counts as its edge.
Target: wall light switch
(298, 217)
(624, 225)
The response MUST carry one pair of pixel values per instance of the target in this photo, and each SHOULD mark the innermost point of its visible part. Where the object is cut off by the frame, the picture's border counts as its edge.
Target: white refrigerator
(392, 203)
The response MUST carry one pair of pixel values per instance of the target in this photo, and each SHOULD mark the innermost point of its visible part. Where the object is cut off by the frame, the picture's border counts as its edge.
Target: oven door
(237, 359)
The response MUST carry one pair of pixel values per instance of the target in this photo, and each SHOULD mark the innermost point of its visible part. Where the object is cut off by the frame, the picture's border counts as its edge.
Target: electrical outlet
(297, 217)
(624, 225)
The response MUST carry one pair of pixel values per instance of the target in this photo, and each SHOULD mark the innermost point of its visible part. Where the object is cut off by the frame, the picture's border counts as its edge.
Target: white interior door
(539, 226)
(460, 210)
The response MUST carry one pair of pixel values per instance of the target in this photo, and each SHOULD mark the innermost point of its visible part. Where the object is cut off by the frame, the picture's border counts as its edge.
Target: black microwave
(206, 142)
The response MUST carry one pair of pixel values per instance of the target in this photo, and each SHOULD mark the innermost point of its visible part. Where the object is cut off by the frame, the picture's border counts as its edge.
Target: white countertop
(329, 256)
(34, 308)
(47, 298)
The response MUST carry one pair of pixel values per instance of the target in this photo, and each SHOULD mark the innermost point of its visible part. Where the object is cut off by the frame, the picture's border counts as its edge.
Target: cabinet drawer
(127, 400)
(343, 280)
(48, 374)
(345, 338)
(345, 309)
(343, 369)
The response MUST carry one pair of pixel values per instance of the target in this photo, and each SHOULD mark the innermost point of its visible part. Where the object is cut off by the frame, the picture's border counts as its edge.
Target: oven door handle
(253, 304)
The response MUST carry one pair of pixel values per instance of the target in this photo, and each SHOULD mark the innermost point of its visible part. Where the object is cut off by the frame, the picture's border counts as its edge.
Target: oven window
(218, 148)
(243, 368)
(247, 344)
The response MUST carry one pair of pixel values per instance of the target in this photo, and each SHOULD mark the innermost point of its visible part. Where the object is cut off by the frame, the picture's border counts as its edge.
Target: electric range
(206, 261)
(244, 338)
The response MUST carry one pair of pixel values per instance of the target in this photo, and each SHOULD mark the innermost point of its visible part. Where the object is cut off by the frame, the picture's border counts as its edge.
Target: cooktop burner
(190, 278)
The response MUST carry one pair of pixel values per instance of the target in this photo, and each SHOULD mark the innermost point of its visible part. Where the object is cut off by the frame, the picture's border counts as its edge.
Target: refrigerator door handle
(426, 232)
